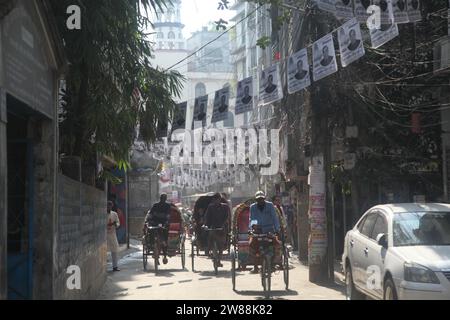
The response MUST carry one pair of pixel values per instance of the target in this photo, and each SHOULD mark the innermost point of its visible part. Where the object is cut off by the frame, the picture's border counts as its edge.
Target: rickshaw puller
(159, 214)
(264, 213)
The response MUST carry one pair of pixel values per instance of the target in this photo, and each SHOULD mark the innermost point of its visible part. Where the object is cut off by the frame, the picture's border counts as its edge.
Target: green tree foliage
(108, 59)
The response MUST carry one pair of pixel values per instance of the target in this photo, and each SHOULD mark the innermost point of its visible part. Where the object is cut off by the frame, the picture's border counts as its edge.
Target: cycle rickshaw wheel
(215, 259)
(144, 255)
(286, 268)
(192, 255)
(266, 275)
(233, 268)
(156, 254)
(183, 254)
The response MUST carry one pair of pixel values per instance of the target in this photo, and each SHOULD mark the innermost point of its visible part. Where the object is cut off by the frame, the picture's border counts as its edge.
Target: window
(160, 35)
(180, 36)
(200, 89)
(379, 227)
(171, 45)
(181, 45)
(171, 35)
(368, 224)
(161, 45)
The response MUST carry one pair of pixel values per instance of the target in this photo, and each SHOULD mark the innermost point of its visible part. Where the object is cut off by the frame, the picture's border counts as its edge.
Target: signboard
(221, 105)
(361, 7)
(179, 119)
(344, 9)
(324, 58)
(327, 5)
(382, 36)
(270, 89)
(200, 111)
(26, 69)
(245, 96)
(414, 13)
(400, 11)
(386, 10)
(298, 69)
(350, 42)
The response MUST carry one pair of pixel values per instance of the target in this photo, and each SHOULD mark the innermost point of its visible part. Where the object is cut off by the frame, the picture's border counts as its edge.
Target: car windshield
(421, 228)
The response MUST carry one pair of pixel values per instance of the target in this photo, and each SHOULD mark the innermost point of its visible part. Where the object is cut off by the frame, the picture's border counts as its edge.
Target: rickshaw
(240, 250)
(199, 239)
(152, 246)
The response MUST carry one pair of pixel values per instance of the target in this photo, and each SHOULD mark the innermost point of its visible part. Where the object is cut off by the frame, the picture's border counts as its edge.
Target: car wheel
(351, 293)
(389, 290)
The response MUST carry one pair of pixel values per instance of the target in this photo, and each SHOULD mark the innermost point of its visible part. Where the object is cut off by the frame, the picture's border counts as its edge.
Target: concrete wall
(81, 239)
(3, 199)
(143, 192)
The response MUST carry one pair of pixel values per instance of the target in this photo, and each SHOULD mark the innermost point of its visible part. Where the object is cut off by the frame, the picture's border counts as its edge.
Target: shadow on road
(275, 294)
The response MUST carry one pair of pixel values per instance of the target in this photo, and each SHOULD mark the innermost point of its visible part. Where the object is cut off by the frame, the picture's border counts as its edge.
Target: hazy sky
(198, 13)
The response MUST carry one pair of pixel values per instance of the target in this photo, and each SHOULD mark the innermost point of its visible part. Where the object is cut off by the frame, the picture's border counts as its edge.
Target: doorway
(20, 202)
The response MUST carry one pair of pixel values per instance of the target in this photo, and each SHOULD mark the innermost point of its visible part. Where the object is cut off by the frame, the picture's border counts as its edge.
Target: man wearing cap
(263, 212)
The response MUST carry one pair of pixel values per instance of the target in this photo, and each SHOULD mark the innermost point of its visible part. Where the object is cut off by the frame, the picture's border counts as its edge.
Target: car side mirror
(382, 240)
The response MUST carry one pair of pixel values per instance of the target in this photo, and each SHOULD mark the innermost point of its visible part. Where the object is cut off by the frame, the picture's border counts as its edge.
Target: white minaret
(170, 44)
(169, 29)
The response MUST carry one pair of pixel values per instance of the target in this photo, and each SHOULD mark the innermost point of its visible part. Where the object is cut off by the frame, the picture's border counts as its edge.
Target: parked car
(399, 251)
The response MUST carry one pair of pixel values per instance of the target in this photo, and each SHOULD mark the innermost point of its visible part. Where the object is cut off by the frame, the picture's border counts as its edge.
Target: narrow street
(173, 283)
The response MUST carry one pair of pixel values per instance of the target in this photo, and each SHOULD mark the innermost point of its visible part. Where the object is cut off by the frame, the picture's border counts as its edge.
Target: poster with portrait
(383, 35)
(327, 5)
(386, 10)
(400, 11)
(179, 118)
(298, 71)
(350, 42)
(221, 105)
(413, 7)
(200, 111)
(270, 86)
(244, 97)
(360, 7)
(344, 9)
(324, 58)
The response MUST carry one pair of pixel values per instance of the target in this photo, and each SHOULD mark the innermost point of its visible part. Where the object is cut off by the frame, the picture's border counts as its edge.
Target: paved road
(173, 283)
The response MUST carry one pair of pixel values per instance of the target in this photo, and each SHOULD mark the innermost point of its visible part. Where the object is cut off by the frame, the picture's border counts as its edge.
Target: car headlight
(417, 273)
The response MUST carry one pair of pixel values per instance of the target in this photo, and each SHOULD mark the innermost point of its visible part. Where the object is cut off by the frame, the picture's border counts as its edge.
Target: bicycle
(153, 234)
(214, 233)
(266, 250)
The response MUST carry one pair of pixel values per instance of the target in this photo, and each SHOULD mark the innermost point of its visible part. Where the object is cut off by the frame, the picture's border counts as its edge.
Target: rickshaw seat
(174, 227)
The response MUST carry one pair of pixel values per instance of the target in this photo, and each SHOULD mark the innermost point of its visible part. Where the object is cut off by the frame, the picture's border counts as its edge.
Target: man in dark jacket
(216, 217)
(159, 214)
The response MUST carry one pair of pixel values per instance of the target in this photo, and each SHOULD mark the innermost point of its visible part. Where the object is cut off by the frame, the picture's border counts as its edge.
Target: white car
(399, 251)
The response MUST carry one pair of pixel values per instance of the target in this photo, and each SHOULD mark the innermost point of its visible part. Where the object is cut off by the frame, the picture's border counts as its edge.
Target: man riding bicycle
(159, 214)
(216, 217)
(263, 212)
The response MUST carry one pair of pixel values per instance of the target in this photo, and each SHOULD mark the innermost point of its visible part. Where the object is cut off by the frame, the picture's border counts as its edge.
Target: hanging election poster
(179, 119)
(221, 105)
(361, 7)
(344, 9)
(327, 5)
(413, 8)
(270, 89)
(324, 58)
(381, 36)
(400, 11)
(200, 110)
(350, 42)
(387, 14)
(244, 98)
(298, 69)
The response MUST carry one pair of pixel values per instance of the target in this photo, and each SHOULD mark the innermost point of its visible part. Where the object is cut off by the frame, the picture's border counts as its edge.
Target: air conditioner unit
(442, 54)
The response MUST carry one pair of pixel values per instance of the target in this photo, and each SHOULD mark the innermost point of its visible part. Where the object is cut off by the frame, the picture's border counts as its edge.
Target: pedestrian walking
(111, 236)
